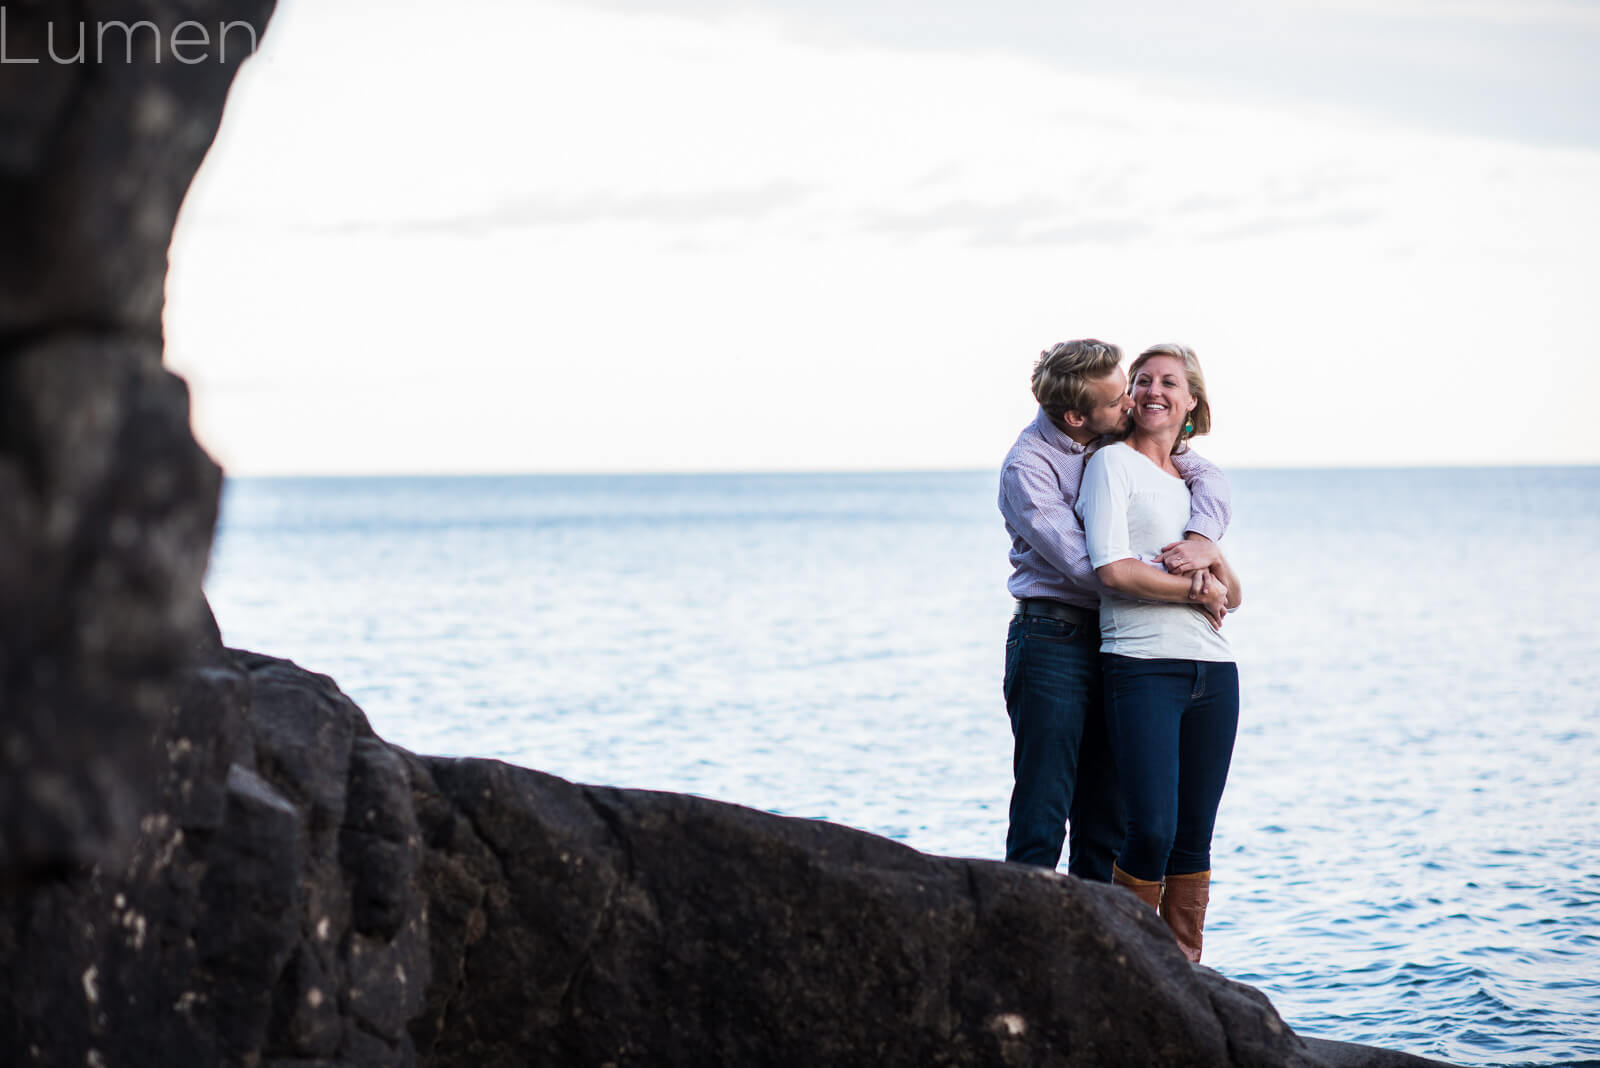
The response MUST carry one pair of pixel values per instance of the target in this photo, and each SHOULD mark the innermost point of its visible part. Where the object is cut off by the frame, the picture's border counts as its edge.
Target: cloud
(706, 179)
(1273, 225)
(1089, 232)
(688, 208)
(1577, 14)
(1520, 70)
(1315, 187)
(945, 174)
(962, 217)
(1208, 203)
(1029, 222)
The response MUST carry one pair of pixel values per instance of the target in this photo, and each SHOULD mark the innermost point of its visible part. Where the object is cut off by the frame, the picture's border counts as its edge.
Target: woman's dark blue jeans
(1172, 726)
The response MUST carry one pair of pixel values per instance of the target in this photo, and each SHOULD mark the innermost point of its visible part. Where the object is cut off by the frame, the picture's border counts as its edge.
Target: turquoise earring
(1188, 426)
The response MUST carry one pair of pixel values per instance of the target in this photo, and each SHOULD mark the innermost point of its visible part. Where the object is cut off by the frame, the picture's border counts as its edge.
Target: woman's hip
(1169, 678)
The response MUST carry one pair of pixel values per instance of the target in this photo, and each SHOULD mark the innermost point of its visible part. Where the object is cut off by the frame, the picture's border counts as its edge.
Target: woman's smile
(1153, 412)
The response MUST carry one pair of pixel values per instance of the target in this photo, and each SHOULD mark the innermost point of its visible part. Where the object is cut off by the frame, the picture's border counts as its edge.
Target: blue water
(1409, 850)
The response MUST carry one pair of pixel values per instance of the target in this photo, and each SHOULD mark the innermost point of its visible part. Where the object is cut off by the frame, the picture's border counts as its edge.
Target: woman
(1171, 686)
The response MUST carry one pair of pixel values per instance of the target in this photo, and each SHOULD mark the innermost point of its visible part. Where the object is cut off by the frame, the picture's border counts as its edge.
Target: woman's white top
(1131, 508)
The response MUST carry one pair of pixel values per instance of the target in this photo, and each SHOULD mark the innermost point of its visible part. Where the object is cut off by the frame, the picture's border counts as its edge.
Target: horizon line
(808, 471)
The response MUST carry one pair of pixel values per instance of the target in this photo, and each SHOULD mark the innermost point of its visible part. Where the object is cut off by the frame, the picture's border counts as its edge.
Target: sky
(692, 235)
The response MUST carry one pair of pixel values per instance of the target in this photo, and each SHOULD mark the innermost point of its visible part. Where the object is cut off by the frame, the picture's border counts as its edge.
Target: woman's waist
(1159, 629)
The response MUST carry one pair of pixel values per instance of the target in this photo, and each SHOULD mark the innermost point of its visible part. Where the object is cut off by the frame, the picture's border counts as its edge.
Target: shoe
(1146, 890)
(1184, 908)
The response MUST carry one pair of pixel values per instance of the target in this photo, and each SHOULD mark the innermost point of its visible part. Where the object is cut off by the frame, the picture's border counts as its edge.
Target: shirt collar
(1053, 435)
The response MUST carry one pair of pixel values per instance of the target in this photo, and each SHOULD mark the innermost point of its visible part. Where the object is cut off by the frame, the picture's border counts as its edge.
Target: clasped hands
(1194, 558)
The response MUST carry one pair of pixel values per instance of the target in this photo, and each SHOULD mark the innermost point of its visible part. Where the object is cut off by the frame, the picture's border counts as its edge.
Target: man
(1062, 758)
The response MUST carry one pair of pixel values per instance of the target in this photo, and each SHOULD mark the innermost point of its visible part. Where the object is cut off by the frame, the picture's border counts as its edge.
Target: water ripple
(1409, 851)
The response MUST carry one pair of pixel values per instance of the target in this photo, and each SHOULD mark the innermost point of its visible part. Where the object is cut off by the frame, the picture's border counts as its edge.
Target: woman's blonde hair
(1062, 374)
(1200, 418)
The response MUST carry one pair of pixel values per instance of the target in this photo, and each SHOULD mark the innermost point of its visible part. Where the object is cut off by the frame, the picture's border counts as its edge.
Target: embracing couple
(1122, 691)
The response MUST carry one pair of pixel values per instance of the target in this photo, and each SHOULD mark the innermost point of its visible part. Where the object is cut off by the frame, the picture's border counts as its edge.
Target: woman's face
(1161, 398)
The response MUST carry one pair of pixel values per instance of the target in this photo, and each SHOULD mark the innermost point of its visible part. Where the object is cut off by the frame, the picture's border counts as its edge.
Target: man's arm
(1224, 573)
(1034, 505)
(1210, 498)
(1210, 511)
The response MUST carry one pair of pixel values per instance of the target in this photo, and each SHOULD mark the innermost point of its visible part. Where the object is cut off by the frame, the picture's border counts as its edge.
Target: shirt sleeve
(1103, 504)
(1210, 498)
(1036, 507)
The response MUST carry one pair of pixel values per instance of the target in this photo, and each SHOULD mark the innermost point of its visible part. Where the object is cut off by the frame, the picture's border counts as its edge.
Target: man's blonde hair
(1063, 372)
(1200, 418)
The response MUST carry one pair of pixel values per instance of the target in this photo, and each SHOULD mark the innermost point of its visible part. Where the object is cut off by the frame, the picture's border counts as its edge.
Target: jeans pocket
(1045, 629)
(1013, 659)
(1014, 634)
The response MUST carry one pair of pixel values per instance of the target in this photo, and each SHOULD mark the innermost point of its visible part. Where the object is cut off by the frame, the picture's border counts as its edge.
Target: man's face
(1109, 411)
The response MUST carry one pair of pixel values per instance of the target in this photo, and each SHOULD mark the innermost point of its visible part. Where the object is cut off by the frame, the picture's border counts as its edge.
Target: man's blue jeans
(1172, 726)
(1062, 759)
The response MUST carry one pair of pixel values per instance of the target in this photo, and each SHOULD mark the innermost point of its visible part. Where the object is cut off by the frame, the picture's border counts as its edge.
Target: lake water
(1408, 853)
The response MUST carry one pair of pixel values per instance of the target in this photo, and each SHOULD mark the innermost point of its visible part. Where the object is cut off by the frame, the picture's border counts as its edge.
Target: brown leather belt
(1067, 613)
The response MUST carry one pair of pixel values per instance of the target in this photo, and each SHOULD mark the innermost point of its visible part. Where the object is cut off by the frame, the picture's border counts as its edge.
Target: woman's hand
(1191, 554)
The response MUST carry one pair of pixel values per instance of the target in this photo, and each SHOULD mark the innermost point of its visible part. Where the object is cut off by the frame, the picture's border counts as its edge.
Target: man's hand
(1213, 601)
(1194, 554)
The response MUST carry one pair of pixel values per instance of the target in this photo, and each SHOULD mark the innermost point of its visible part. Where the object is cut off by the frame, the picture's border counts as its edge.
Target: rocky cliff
(304, 893)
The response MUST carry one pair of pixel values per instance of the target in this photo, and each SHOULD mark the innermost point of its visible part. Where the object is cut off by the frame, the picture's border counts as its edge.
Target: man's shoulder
(1037, 463)
(1191, 464)
(1033, 448)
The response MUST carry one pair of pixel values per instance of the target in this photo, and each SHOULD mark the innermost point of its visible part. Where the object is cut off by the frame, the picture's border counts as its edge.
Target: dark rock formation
(271, 907)
(106, 502)
(308, 894)
(583, 925)
(208, 858)
(96, 156)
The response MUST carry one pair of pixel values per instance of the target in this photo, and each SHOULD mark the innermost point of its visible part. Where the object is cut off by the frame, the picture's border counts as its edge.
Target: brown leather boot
(1184, 908)
(1146, 890)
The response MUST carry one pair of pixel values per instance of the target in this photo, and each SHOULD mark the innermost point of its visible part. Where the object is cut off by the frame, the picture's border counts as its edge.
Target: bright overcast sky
(580, 236)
